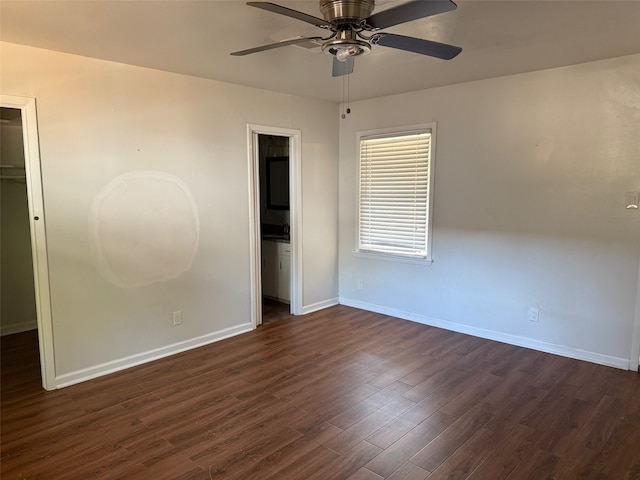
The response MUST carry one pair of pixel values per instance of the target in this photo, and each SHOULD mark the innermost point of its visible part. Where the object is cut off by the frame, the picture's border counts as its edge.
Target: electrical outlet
(360, 284)
(177, 317)
(534, 314)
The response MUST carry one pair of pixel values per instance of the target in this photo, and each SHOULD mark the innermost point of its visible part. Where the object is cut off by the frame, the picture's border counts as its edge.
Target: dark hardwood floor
(337, 394)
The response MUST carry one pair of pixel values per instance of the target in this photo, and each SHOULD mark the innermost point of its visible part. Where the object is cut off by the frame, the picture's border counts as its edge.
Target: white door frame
(295, 213)
(35, 201)
(635, 337)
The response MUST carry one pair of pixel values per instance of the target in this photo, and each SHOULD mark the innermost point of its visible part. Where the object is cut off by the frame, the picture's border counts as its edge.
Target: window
(396, 191)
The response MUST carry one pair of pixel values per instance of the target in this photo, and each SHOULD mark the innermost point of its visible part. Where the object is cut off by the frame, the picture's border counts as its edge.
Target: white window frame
(400, 257)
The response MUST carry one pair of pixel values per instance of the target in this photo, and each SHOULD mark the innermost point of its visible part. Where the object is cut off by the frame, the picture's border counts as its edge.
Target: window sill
(390, 257)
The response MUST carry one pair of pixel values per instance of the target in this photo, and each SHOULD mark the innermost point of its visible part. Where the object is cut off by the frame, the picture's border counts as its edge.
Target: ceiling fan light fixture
(343, 53)
(346, 45)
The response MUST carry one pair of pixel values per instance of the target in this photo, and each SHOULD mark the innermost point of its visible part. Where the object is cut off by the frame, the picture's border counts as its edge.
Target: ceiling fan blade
(271, 46)
(416, 45)
(408, 12)
(342, 68)
(272, 7)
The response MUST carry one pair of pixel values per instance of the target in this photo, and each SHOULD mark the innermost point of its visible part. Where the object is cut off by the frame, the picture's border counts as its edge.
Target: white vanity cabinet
(276, 270)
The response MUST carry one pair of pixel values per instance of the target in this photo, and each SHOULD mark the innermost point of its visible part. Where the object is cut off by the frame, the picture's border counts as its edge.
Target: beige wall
(530, 179)
(145, 177)
(531, 172)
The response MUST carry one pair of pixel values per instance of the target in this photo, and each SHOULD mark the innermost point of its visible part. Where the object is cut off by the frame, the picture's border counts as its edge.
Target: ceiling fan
(354, 30)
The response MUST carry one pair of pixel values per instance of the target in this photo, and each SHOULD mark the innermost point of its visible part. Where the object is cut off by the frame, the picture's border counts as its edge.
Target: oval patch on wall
(145, 229)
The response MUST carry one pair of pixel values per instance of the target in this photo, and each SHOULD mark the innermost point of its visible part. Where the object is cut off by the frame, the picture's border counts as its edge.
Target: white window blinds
(394, 193)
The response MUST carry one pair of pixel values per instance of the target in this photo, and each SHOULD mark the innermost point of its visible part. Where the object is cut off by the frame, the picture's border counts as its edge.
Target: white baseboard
(121, 364)
(18, 328)
(314, 307)
(594, 357)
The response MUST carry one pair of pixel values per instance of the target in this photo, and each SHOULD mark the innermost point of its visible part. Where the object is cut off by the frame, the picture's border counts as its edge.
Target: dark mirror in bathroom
(278, 183)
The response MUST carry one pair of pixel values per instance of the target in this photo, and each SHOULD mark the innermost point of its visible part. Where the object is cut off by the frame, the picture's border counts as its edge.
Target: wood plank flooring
(340, 394)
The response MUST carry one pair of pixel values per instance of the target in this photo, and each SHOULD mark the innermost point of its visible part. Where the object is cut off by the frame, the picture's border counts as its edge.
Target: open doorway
(275, 226)
(17, 292)
(274, 158)
(18, 319)
(26, 305)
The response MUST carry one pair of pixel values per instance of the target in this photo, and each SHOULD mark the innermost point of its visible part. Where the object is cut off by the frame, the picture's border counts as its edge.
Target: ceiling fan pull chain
(344, 80)
(348, 94)
(346, 101)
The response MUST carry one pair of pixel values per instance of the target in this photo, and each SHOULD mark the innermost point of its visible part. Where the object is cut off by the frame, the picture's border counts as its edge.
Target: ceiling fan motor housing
(346, 11)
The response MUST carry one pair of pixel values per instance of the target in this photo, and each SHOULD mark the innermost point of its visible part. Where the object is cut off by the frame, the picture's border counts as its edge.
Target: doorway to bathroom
(275, 226)
(275, 202)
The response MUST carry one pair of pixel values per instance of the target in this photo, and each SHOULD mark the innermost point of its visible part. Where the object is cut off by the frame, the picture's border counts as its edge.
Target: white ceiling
(195, 38)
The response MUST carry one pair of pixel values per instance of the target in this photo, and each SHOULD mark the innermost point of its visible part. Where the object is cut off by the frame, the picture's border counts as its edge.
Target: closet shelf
(12, 173)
